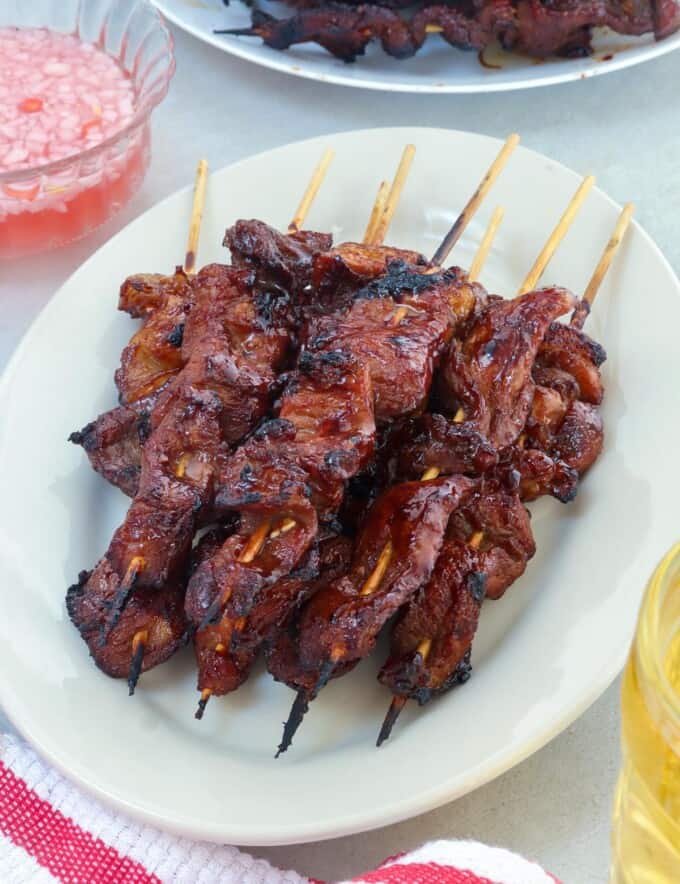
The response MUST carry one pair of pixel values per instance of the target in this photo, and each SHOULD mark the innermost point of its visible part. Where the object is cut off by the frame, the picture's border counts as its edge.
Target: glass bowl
(49, 205)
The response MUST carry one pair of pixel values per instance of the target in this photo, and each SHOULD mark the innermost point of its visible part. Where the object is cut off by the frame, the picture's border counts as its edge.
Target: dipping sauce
(59, 97)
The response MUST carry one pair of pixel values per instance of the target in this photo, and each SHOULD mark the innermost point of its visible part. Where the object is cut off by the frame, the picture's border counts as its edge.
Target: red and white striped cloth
(50, 832)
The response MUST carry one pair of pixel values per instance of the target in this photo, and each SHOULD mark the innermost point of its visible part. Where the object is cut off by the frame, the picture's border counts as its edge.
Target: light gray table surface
(555, 807)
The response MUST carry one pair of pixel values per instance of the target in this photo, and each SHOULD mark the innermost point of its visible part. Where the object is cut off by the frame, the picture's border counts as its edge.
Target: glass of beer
(646, 827)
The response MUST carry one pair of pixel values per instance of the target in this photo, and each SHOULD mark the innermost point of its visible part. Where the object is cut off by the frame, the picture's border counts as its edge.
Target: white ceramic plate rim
(512, 752)
(279, 62)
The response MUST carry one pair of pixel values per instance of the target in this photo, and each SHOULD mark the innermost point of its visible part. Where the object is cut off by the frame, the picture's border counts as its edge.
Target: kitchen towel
(52, 832)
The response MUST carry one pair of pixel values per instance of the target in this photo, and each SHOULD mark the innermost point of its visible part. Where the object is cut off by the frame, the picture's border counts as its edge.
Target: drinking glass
(646, 827)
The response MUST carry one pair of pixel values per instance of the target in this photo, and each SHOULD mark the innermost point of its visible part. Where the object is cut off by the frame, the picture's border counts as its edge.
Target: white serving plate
(436, 68)
(543, 654)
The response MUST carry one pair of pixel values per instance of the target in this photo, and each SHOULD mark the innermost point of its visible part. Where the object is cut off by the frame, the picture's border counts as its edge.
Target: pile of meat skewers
(316, 439)
(533, 27)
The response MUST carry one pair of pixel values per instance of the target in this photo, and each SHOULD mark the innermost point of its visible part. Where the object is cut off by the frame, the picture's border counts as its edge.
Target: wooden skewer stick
(375, 577)
(424, 648)
(284, 528)
(400, 700)
(393, 713)
(475, 201)
(475, 541)
(385, 219)
(378, 572)
(196, 216)
(608, 255)
(255, 542)
(206, 694)
(139, 643)
(309, 195)
(134, 569)
(376, 212)
(486, 243)
(181, 467)
(557, 235)
(399, 315)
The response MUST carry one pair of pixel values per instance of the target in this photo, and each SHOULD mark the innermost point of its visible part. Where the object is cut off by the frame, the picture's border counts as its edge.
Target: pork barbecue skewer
(531, 27)
(377, 228)
(432, 638)
(154, 626)
(96, 603)
(336, 654)
(307, 692)
(114, 441)
(215, 635)
(153, 356)
(326, 378)
(340, 624)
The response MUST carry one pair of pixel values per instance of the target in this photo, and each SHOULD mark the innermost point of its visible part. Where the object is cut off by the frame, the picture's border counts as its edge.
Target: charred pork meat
(532, 27)
(395, 554)
(215, 399)
(487, 546)
(369, 363)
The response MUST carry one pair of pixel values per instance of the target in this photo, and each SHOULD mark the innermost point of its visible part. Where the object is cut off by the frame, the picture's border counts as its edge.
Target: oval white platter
(436, 68)
(543, 653)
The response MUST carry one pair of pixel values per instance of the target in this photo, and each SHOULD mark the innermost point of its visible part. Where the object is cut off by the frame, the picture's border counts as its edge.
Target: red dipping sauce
(69, 157)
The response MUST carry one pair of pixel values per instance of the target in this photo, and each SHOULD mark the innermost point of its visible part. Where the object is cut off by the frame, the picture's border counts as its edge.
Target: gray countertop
(555, 807)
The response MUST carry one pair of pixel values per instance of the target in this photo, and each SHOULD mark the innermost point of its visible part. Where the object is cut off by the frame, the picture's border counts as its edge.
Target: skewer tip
(385, 218)
(297, 713)
(139, 642)
(605, 261)
(310, 193)
(545, 255)
(390, 719)
(206, 694)
(475, 200)
(196, 216)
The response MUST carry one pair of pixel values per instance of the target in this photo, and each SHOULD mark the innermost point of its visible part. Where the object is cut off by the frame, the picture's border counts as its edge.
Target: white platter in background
(436, 68)
(543, 653)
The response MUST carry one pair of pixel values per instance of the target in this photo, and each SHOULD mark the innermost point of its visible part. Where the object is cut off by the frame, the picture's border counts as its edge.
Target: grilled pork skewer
(154, 625)
(206, 329)
(433, 635)
(352, 372)
(497, 357)
(466, 304)
(327, 378)
(352, 266)
(114, 441)
(487, 546)
(529, 27)
(502, 343)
